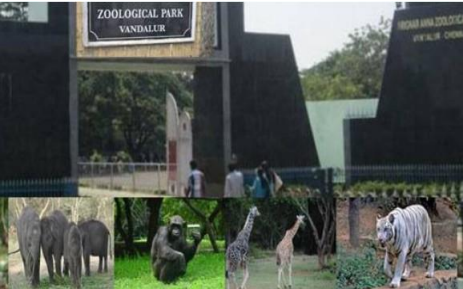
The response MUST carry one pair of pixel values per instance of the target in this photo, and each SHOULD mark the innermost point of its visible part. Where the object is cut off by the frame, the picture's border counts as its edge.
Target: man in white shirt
(234, 183)
(196, 182)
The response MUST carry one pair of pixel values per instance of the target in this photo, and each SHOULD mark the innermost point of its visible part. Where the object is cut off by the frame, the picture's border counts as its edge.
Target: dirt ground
(17, 278)
(418, 280)
(263, 273)
(443, 241)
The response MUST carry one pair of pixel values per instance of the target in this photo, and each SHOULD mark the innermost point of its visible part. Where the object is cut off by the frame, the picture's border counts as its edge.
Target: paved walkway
(90, 192)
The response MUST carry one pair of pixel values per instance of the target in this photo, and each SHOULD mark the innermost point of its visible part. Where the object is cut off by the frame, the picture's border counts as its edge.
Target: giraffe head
(254, 211)
(300, 219)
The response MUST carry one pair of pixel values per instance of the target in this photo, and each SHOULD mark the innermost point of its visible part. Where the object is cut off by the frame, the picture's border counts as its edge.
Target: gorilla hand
(179, 256)
(196, 237)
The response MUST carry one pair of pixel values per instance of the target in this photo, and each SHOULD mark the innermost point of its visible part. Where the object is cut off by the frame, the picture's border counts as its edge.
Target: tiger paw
(430, 275)
(395, 284)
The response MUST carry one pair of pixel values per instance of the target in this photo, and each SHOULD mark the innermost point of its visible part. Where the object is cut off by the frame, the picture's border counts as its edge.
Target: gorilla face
(176, 227)
(175, 231)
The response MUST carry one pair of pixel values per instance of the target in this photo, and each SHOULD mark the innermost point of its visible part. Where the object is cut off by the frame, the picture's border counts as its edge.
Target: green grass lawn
(205, 271)
(263, 273)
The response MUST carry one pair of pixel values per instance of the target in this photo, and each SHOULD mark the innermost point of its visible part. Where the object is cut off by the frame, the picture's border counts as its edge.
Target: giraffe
(238, 250)
(285, 251)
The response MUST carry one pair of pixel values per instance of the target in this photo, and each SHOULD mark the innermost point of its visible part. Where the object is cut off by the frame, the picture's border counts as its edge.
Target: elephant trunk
(31, 263)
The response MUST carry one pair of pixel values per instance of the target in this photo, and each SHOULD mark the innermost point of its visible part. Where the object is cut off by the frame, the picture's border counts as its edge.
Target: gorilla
(170, 252)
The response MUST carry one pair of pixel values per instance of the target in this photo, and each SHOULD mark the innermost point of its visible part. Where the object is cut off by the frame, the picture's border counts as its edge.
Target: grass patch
(263, 273)
(255, 252)
(205, 271)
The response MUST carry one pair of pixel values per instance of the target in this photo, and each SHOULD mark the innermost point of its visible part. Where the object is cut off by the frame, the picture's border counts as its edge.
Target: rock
(442, 280)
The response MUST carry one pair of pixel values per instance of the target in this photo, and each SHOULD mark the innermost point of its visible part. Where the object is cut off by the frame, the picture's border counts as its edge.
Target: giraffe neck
(246, 232)
(292, 232)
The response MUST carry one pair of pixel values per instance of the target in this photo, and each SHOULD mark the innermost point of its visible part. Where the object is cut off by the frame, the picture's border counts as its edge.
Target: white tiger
(404, 232)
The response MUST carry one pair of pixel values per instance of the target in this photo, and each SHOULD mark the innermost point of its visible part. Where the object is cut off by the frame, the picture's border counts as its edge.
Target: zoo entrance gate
(448, 178)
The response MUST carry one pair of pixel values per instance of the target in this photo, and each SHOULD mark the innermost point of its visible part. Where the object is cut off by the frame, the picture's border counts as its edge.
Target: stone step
(442, 280)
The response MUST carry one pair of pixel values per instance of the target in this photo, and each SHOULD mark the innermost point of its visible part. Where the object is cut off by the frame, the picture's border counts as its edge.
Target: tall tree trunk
(208, 222)
(154, 206)
(118, 222)
(354, 220)
(323, 238)
(321, 259)
(129, 237)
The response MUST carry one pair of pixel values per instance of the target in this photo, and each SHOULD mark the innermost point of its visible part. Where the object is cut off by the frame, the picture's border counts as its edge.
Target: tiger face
(385, 229)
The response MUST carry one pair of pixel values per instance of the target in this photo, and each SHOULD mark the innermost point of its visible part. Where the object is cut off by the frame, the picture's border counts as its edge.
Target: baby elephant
(96, 241)
(73, 254)
(53, 227)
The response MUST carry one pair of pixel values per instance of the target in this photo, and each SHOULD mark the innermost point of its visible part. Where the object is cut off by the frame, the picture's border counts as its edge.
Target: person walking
(234, 183)
(260, 187)
(196, 182)
(274, 181)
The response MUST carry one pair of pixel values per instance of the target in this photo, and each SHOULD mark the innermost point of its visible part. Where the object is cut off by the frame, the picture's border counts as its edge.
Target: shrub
(359, 271)
(365, 270)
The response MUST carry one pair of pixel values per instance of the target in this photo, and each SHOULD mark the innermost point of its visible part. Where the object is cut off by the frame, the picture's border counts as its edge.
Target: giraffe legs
(290, 273)
(280, 272)
(232, 276)
(281, 277)
(246, 276)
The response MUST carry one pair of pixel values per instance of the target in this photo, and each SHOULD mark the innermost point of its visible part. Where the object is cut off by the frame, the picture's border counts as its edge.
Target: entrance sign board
(135, 23)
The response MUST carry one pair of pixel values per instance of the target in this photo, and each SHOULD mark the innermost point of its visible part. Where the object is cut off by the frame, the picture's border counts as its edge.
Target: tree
(16, 11)
(324, 234)
(154, 207)
(354, 221)
(137, 220)
(208, 222)
(127, 235)
(355, 71)
(126, 112)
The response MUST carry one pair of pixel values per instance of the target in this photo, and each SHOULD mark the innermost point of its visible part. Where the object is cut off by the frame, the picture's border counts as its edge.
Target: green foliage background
(277, 216)
(125, 111)
(354, 71)
(170, 207)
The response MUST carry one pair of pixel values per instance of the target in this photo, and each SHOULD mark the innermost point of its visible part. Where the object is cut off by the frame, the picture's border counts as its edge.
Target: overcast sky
(315, 28)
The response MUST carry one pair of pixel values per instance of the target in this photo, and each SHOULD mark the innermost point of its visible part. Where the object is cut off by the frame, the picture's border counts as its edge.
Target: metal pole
(111, 184)
(91, 175)
(133, 176)
(159, 177)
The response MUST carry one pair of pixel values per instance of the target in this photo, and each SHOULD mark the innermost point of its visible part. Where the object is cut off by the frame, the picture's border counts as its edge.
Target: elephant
(73, 254)
(29, 232)
(53, 227)
(95, 241)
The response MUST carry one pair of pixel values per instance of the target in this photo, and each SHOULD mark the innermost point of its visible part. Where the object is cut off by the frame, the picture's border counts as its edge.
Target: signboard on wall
(127, 23)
